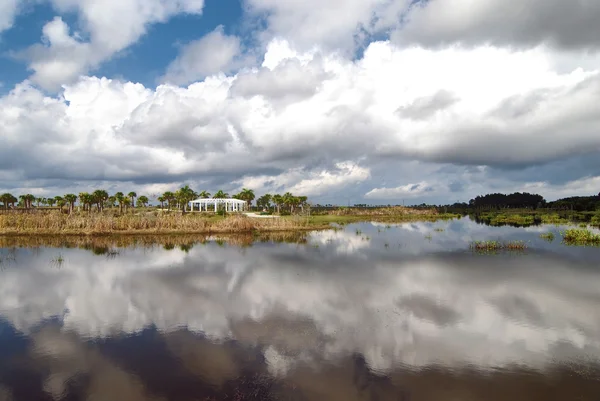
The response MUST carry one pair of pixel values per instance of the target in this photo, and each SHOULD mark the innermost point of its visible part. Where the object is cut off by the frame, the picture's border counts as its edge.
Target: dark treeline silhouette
(516, 200)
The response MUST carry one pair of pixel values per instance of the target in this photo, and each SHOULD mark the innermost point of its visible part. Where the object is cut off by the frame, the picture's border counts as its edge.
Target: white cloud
(408, 191)
(314, 23)
(111, 25)
(295, 121)
(212, 54)
(8, 10)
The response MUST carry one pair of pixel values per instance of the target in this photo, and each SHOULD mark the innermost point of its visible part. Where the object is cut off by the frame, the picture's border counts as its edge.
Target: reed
(95, 224)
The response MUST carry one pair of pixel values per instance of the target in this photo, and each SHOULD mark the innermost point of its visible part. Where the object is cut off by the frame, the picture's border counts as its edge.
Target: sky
(344, 101)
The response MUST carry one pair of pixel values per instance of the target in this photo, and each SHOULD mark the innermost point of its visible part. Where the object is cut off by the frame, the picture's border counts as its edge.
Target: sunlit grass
(549, 236)
(580, 237)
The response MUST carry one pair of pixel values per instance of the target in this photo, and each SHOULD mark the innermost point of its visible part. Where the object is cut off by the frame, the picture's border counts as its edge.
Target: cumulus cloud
(560, 24)
(311, 122)
(111, 26)
(8, 10)
(313, 23)
(213, 53)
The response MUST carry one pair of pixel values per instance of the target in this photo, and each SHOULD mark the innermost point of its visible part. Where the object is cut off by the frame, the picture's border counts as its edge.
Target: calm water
(367, 313)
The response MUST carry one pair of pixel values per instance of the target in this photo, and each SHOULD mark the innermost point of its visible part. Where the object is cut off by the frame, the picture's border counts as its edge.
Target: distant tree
(220, 195)
(162, 201)
(184, 196)
(71, 199)
(126, 203)
(204, 195)
(278, 200)
(60, 201)
(100, 196)
(120, 197)
(7, 200)
(132, 195)
(247, 195)
(85, 200)
(143, 201)
(170, 198)
(264, 202)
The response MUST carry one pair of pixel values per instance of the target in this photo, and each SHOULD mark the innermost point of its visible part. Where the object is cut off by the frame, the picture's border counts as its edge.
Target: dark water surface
(373, 312)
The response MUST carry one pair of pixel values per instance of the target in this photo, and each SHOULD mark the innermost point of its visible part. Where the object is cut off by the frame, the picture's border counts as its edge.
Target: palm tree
(220, 195)
(51, 201)
(8, 199)
(60, 202)
(71, 199)
(204, 195)
(185, 195)
(126, 203)
(112, 200)
(99, 197)
(302, 200)
(290, 201)
(132, 195)
(278, 199)
(247, 195)
(84, 198)
(162, 200)
(264, 201)
(30, 199)
(169, 197)
(143, 201)
(120, 198)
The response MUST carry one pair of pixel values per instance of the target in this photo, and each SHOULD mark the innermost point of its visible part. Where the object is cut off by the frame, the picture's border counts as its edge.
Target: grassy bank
(54, 223)
(99, 224)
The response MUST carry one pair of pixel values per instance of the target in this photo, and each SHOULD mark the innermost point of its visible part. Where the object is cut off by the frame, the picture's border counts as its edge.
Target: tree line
(524, 200)
(100, 199)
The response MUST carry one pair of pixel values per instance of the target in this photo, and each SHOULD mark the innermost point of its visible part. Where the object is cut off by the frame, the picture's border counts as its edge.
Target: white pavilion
(231, 205)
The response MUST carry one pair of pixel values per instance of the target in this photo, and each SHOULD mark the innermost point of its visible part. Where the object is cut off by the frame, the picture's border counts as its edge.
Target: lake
(368, 312)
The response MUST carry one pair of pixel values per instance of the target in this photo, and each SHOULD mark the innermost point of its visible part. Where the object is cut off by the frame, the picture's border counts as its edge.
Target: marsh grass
(155, 222)
(90, 224)
(549, 236)
(553, 219)
(498, 246)
(580, 237)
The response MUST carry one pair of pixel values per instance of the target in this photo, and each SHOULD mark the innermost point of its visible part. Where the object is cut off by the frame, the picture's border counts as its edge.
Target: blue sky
(345, 101)
(144, 61)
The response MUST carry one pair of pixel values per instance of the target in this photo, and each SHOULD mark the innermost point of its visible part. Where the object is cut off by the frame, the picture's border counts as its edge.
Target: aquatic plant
(497, 245)
(549, 236)
(580, 237)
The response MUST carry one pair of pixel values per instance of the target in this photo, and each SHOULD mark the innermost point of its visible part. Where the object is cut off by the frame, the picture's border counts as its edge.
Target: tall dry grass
(55, 223)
